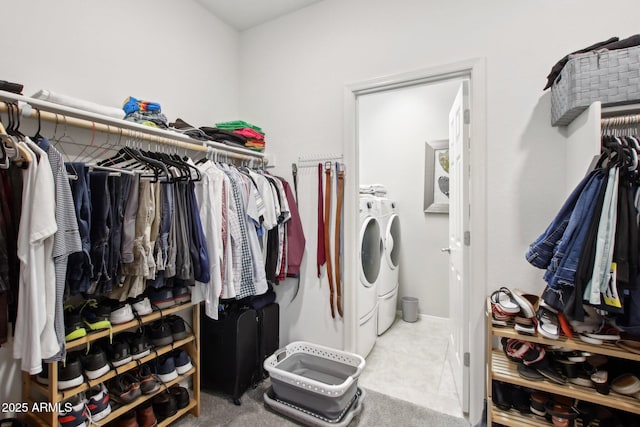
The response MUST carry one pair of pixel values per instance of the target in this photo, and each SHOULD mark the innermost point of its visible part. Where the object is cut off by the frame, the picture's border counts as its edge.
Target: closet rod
(625, 120)
(61, 114)
(319, 159)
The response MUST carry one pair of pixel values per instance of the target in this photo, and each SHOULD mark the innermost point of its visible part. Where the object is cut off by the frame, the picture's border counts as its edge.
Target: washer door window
(392, 241)
(370, 251)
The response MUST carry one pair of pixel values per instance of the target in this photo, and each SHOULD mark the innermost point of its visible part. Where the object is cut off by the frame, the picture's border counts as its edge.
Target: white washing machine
(369, 262)
(389, 269)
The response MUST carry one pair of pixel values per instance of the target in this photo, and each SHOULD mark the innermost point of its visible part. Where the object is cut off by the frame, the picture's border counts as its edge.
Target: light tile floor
(409, 361)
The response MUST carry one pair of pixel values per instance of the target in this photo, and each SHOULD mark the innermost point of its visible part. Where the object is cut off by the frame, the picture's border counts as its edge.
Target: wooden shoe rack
(502, 369)
(35, 392)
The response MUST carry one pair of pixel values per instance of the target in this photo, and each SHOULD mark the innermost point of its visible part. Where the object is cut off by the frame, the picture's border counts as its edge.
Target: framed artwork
(436, 176)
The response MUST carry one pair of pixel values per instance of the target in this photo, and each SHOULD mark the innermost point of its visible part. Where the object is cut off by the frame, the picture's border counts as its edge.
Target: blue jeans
(563, 266)
(200, 255)
(80, 268)
(541, 251)
(100, 229)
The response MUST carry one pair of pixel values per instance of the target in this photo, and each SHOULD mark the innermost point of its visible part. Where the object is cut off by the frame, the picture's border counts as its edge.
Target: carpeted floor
(379, 410)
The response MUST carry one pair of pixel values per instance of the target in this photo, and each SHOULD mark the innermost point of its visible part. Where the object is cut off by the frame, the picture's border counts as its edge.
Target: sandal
(547, 324)
(527, 302)
(504, 301)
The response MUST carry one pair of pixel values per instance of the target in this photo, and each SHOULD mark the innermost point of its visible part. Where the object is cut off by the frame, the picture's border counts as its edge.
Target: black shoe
(70, 372)
(164, 406)
(181, 294)
(95, 362)
(74, 328)
(139, 345)
(161, 297)
(118, 352)
(180, 394)
(125, 388)
(178, 329)
(160, 333)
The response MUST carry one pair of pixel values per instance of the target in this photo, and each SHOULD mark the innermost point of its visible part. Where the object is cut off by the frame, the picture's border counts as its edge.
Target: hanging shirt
(208, 197)
(35, 336)
(66, 239)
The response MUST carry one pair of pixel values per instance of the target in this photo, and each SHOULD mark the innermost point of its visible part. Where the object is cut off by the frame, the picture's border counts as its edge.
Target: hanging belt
(294, 172)
(320, 254)
(327, 229)
(338, 231)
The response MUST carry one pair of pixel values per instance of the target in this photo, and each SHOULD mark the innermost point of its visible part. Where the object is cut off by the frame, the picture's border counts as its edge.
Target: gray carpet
(379, 410)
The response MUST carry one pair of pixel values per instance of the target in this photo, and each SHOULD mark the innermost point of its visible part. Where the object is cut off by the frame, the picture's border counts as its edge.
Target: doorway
(362, 158)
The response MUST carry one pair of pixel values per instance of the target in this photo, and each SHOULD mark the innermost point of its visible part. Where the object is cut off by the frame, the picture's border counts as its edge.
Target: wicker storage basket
(611, 77)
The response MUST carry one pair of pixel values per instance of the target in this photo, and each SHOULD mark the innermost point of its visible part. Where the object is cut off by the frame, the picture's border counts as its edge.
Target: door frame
(476, 283)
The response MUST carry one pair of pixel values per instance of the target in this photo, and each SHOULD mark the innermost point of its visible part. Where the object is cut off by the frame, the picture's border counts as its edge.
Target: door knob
(445, 250)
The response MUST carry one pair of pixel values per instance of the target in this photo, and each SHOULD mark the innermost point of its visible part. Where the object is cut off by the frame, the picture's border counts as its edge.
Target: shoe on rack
(96, 314)
(118, 352)
(148, 382)
(141, 305)
(76, 415)
(164, 406)
(128, 419)
(139, 345)
(160, 333)
(73, 325)
(98, 402)
(181, 294)
(161, 297)
(95, 362)
(70, 372)
(178, 329)
(125, 388)
(182, 361)
(145, 415)
(165, 368)
(121, 312)
(180, 394)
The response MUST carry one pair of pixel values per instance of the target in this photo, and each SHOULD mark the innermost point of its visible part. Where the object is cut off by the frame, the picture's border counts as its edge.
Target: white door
(459, 241)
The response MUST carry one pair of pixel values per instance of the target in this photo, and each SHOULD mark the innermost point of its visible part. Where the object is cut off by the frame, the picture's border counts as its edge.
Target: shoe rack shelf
(191, 344)
(500, 368)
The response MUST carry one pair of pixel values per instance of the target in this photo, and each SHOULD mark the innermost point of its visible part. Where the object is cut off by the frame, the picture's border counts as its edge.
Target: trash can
(409, 309)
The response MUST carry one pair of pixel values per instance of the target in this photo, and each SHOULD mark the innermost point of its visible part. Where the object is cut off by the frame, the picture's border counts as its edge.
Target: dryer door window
(392, 241)
(370, 250)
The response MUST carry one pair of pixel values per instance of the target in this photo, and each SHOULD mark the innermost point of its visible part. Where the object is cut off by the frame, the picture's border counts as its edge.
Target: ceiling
(244, 14)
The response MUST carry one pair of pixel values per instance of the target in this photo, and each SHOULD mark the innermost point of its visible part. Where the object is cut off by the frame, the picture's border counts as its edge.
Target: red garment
(249, 133)
(295, 235)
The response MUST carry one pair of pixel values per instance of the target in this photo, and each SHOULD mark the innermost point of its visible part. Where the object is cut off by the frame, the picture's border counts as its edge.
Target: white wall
(294, 71)
(393, 128)
(175, 53)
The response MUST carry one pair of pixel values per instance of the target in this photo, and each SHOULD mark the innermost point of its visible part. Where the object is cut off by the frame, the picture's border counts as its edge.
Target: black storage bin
(229, 356)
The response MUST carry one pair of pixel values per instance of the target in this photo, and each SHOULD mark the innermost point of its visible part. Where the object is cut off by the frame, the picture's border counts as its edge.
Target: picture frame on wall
(436, 176)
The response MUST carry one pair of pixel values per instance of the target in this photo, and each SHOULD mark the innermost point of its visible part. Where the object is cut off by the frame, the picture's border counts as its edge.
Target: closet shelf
(507, 371)
(115, 413)
(65, 394)
(92, 336)
(76, 118)
(572, 343)
(516, 419)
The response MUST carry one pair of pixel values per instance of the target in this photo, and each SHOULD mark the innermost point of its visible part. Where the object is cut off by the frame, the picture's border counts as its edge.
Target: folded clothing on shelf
(238, 124)
(80, 104)
(132, 105)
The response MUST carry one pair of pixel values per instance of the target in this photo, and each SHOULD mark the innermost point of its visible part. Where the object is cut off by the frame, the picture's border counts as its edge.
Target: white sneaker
(123, 314)
(143, 307)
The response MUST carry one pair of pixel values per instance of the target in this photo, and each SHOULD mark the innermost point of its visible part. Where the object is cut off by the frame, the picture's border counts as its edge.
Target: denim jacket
(564, 264)
(542, 250)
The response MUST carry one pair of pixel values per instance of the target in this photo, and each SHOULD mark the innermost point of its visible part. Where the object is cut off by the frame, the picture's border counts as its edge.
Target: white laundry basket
(321, 379)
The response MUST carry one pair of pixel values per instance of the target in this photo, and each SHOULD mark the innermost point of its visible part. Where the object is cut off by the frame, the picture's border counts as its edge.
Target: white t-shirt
(35, 336)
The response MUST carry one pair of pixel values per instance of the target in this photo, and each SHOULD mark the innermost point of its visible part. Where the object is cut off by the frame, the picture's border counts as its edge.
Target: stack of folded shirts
(144, 112)
(252, 133)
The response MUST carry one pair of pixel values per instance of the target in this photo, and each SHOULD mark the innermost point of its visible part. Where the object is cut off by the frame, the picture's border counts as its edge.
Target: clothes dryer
(390, 265)
(369, 261)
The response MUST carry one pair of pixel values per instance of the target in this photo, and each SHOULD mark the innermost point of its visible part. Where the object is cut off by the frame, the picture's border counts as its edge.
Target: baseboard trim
(423, 316)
